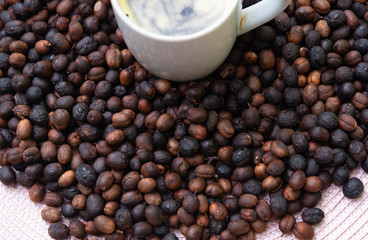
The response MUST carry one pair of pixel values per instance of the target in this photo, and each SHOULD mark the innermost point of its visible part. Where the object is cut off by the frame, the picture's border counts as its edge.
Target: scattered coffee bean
(58, 230)
(353, 188)
(86, 128)
(313, 216)
(303, 231)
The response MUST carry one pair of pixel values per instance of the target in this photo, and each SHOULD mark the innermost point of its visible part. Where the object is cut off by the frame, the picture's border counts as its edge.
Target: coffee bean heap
(93, 135)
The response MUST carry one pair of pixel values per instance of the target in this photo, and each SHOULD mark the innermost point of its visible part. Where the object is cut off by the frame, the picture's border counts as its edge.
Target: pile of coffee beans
(96, 137)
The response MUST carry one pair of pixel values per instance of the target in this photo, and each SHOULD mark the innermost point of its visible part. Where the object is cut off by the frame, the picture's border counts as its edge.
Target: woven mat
(344, 218)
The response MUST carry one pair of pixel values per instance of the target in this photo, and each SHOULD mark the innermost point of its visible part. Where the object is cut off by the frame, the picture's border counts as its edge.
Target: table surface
(344, 218)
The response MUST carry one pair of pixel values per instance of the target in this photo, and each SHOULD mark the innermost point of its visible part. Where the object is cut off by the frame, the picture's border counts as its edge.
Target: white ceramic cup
(193, 56)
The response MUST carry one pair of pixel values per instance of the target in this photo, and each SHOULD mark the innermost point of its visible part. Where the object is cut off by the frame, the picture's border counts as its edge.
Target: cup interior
(118, 9)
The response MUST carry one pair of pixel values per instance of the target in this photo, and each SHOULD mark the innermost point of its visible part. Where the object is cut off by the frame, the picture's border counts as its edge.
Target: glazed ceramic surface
(193, 56)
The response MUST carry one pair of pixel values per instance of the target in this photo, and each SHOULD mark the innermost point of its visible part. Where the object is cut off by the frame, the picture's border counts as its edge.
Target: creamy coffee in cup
(172, 17)
(177, 42)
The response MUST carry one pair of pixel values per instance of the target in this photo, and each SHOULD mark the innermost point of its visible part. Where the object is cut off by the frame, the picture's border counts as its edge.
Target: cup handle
(260, 13)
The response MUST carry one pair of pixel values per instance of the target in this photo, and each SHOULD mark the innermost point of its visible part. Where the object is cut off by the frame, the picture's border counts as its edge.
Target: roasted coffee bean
(271, 183)
(86, 46)
(123, 219)
(279, 149)
(172, 181)
(14, 28)
(67, 210)
(205, 171)
(328, 120)
(248, 201)
(300, 142)
(146, 185)
(238, 227)
(53, 199)
(243, 173)
(194, 232)
(253, 187)
(170, 206)
(85, 175)
(297, 162)
(91, 228)
(258, 226)
(7, 175)
(131, 198)
(226, 128)
(94, 205)
(188, 146)
(313, 184)
(36, 192)
(304, 13)
(24, 129)
(290, 76)
(353, 188)
(241, 156)
(278, 205)
(248, 214)
(184, 217)
(191, 203)
(286, 223)
(23, 180)
(51, 214)
(282, 22)
(142, 229)
(346, 91)
(154, 215)
(263, 210)
(357, 151)
(117, 160)
(214, 190)
(311, 199)
(79, 201)
(77, 229)
(319, 134)
(294, 207)
(218, 211)
(340, 175)
(276, 167)
(325, 177)
(66, 179)
(336, 18)
(104, 224)
(323, 155)
(313, 216)
(303, 230)
(339, 138)
(104, 180)
(58, 230)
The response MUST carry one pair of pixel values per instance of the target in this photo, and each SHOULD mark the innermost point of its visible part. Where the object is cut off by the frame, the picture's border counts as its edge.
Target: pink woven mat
(344, 218)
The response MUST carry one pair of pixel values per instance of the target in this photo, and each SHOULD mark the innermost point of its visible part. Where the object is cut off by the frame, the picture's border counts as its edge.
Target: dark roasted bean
(313, 216)
(58, 230)
(286, 108)
(353, 188)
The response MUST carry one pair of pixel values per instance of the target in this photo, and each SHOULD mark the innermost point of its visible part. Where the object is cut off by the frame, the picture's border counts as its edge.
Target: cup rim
(167, 38)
